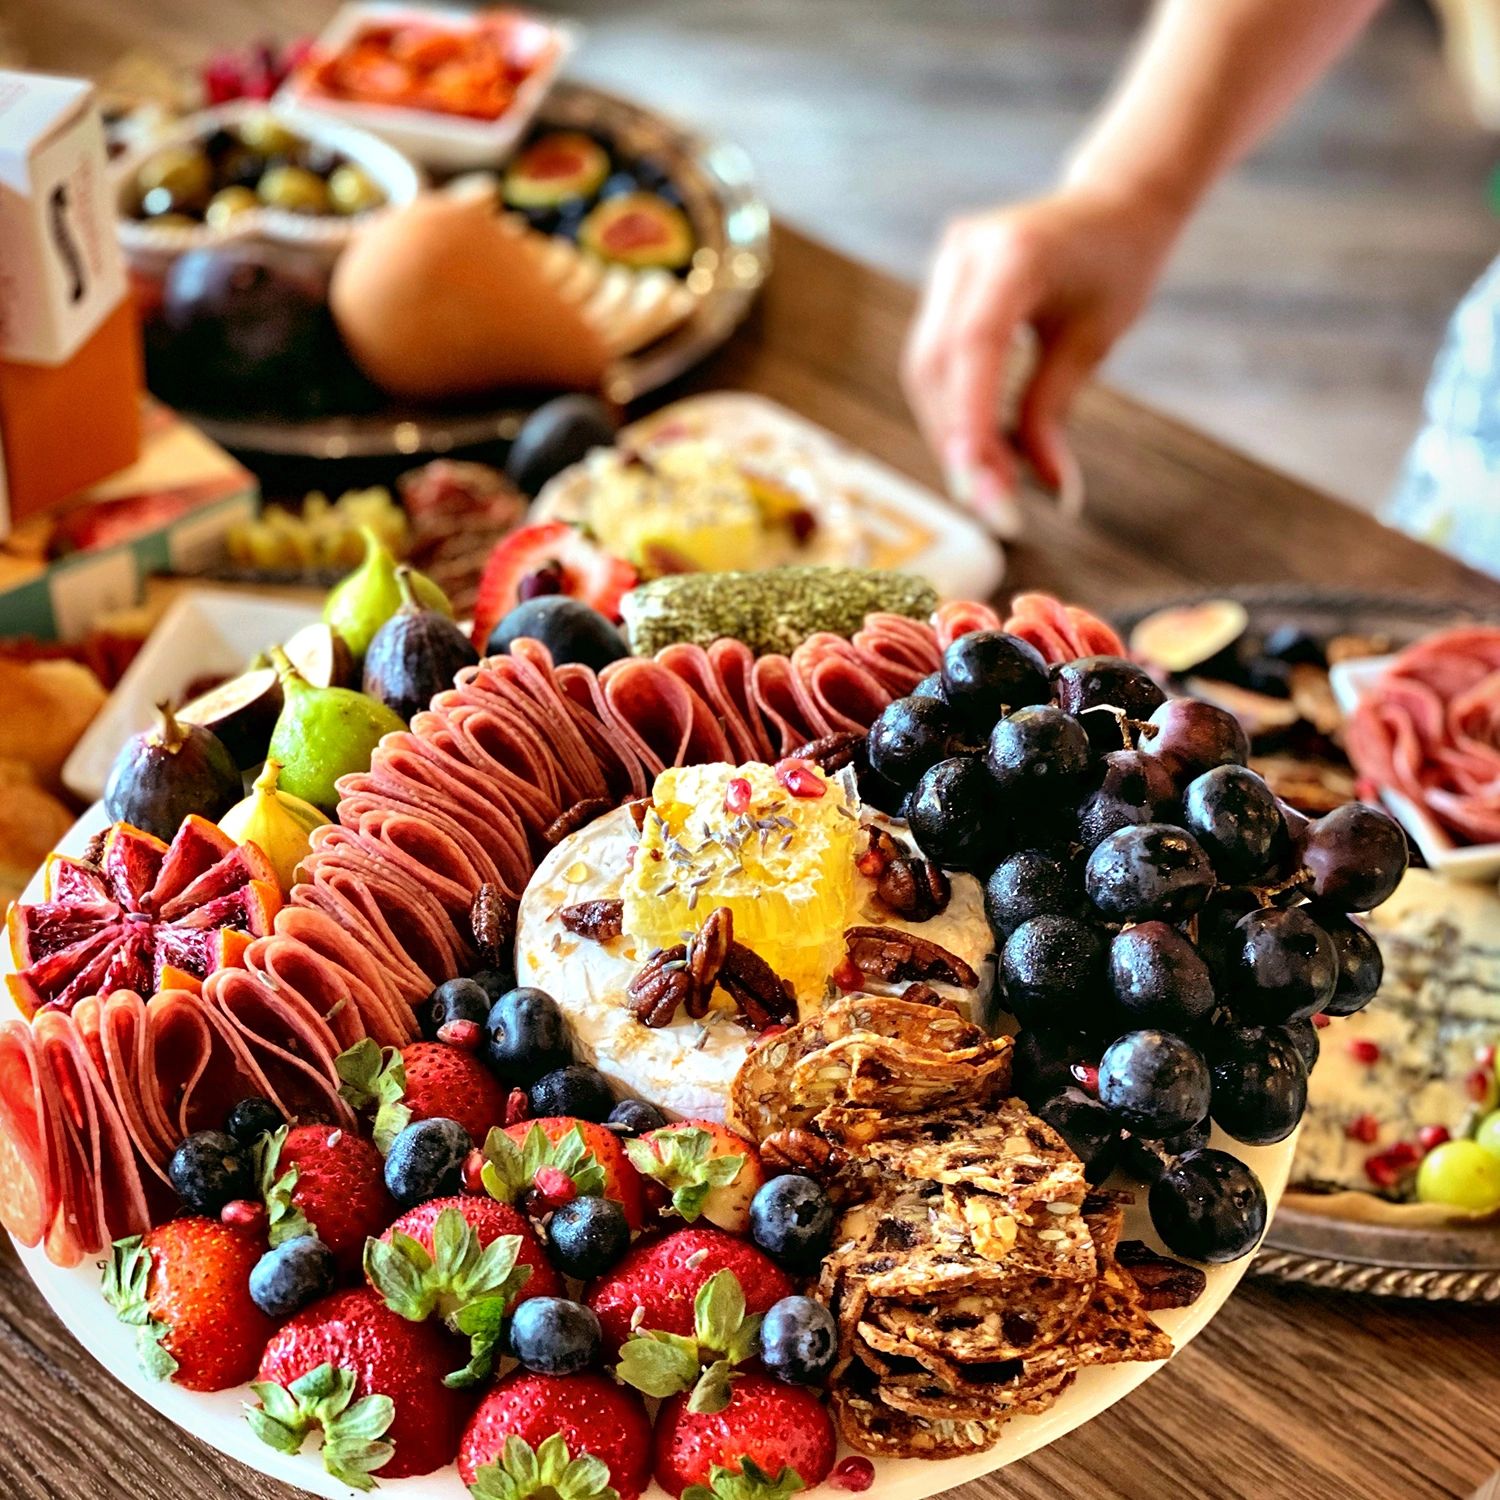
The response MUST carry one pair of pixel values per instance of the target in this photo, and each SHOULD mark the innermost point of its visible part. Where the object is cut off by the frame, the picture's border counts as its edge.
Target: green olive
(183, 171)
(266, 134)
(228, 203)
(294, 189)
(352, 191)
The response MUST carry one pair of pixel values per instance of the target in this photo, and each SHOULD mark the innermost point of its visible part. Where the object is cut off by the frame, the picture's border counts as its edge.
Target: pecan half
(763, 996)
(799, 1150)
(492, 920)
(662, 985)
(600, 920)
(1163, 1282)
(574, 818)
(832, 752)
(892, 955)
(914, 888)
(709, 948)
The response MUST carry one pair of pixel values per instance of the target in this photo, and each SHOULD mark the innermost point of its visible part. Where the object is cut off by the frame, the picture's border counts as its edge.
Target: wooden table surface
(1288, 1393)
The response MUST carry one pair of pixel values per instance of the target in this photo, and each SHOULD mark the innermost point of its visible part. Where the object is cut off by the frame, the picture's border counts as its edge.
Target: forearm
(1209, 81)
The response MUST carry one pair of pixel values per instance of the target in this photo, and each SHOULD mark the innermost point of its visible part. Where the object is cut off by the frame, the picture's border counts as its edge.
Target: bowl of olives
(243, 170)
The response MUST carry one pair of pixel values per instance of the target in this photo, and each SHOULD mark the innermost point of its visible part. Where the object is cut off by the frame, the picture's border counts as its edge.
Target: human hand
(1076, 268)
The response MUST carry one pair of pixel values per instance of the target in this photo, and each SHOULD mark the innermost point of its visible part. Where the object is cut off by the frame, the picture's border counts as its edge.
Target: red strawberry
(386, 1355)
(620, 1180)
(589, 1412)
(662, 1278)
(766, 1429)
(489, 1221)
(186, 1286)
(326, 1180)
(442, 1081)
(571, 563)
(711, 1172)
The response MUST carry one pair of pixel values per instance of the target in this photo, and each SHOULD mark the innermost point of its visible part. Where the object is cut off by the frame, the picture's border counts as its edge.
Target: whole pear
(323, 733)
(357, 606)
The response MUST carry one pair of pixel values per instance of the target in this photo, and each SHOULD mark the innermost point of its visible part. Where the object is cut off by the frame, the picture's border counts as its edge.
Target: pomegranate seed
(517, 1107)
(473, 1172)
(872, 863)
(1479, 1084)
(737, 796)
(243, 1213)
(848, 975)
(1321, 1021)
(1087, 1075)
(1382, 1171)
(853, 1473)
(464, 1035)
(553, 1186)
(1362, 1050)
(1429, 1137)
(548, 579)
(1363, 1128)
(1404, 1154)
(800, 779)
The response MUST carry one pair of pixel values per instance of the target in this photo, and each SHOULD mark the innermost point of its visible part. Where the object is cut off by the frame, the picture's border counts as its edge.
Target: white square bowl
(205, 633)
(1351, 681)
(449, 143)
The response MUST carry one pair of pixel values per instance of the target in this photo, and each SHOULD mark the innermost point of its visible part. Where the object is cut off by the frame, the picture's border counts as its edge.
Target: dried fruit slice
(145, 917)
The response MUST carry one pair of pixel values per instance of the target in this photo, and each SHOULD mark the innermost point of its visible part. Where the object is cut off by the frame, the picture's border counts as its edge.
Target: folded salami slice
(786, 703)
(1061, 632)
(847, 694)
(962, 617)
(424, 851)
(622, 761)
(696, 668)
(898, 650)
(30, 1175)
(676, 725)
(499, 746)
(195, 1061)
(733, 664)
(123, 1032)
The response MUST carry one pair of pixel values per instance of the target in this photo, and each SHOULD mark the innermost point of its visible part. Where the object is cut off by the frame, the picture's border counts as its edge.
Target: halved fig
(1178, 639)
(641, 230)
(241, 713)
(322, 656)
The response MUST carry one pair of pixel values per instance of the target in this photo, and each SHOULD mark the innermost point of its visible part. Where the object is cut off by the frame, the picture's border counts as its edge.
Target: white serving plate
(1350, 681)
(205, 632)
(450, 143)
(960, 558)
(218, 1419)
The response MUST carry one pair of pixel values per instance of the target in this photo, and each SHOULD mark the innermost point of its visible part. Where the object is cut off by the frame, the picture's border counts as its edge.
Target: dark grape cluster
(1167, 929)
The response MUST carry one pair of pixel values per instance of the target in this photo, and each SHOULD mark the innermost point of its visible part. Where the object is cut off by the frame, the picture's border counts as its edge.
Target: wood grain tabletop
(1295, 1394)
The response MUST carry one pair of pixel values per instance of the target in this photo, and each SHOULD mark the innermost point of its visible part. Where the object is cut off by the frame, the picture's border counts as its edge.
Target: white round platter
(219, 1421)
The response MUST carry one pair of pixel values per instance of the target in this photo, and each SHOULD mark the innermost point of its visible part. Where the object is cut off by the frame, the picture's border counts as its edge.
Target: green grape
(1488, 1134)
(1460, 1174)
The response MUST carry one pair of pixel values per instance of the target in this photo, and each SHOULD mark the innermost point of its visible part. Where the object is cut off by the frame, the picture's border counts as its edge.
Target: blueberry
(426, 1161)
(457, 1000)
(587, 1237)
(798, 1340)
(296, 1272)
(617, 184)
(1148, 1159)
(252, 1118)
(1209, 1206)
(1154, 1083)
(791, 1219)
(210, 1169)
(575, 1090)
(635, 1117)
(1087, 1127)
(495, 982)
(526, 1036)
(554, 1336)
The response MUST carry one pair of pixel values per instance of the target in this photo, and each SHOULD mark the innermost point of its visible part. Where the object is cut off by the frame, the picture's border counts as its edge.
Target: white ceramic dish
(1350, 681)
(219, 1420)
(151, 247)
(206, 632)
(449, 143)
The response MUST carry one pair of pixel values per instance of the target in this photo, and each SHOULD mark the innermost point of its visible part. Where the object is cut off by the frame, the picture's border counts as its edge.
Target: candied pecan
(708, 949)
(914, 888)
(662, 985)
(575, 818)
(600, 920)
(763, 996)
(881, 852)
(892, 955)
(832, 752)
(492, 920)
(799, 1150)
(1163, 1282)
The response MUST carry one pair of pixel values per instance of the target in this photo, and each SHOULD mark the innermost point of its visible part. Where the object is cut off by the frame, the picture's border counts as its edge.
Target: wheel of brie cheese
(796, 873)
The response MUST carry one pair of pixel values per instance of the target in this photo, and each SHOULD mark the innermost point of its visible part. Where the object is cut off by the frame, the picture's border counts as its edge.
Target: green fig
(323, 733)
(360, 604)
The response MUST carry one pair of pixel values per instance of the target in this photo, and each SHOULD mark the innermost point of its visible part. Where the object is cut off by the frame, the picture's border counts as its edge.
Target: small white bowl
(152, 247)
(1351, 682)
(448, 143)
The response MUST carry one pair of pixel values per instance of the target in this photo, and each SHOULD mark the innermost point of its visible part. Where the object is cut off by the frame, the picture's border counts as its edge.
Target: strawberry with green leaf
(323, 1180)
(466, 1260)
(425, 1081)
(546, 1163)
(353, 1431)
(768, 1441)
(704, 1362)
(185, 1287)
(372, 1075)
(710, 1172)
(560, 1419)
